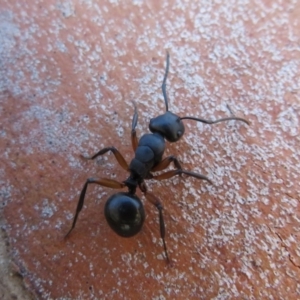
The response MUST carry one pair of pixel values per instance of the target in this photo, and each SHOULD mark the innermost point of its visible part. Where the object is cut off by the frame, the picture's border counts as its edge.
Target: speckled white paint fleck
(250, 73)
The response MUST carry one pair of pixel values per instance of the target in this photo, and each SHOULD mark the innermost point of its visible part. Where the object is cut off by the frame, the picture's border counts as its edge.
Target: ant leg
(134, 139)
(166, 162)
(121, 160)
(173, 173)
(156, 202)
(100, 181)
(164, 84)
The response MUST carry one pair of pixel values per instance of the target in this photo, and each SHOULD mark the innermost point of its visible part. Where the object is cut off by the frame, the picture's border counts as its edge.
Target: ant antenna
(163, 87)
(216, 121)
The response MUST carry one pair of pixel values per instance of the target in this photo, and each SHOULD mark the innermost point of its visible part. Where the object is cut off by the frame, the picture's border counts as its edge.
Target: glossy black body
(168, 125)
(125, 214)
(148, 154)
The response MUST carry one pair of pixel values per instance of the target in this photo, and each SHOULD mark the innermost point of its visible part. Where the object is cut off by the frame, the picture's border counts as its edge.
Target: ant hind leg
(100, 181)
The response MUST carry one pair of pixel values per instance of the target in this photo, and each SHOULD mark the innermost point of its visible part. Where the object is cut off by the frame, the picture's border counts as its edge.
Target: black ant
(124, 211)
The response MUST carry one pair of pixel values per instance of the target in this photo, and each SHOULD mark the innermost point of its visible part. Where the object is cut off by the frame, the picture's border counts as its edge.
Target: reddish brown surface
(70, 73)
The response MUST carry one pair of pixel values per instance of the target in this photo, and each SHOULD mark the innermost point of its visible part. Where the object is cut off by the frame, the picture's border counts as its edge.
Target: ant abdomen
(125, 214)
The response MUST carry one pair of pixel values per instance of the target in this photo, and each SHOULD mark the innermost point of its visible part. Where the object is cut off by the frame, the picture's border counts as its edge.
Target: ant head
(125, 214)
(168, 125)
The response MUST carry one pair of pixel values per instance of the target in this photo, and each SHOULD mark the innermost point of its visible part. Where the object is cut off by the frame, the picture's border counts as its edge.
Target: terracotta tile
(69, 72)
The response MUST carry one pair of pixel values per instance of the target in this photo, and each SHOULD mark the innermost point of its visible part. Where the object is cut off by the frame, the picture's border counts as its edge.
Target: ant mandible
(124, 211)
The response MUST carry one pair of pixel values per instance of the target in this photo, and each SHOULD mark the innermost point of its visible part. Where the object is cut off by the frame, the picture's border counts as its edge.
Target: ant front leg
(119, 157)
(134, 139)
(166, 162)
(173, 173)
(100, 181)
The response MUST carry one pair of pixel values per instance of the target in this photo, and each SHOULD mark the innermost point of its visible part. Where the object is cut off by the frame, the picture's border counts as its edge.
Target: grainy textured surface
(69, 70)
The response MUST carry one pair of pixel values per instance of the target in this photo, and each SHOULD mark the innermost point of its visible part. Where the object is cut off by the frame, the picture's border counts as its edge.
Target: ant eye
(179, 133)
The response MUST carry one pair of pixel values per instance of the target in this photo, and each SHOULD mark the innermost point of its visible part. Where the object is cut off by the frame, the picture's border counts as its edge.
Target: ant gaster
(124, 211)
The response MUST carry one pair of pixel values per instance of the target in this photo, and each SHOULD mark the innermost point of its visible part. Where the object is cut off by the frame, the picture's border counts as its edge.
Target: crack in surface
(283, 244)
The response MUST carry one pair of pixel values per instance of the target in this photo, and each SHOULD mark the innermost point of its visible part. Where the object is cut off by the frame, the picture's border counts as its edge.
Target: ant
(124, 211)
